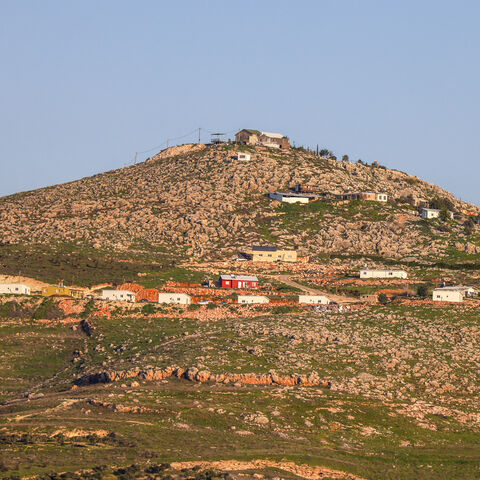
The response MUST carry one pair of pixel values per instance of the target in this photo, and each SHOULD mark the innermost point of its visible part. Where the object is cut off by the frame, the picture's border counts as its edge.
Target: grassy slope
(189, 421)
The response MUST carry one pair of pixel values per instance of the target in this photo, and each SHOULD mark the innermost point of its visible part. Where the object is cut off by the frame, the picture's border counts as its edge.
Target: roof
(176, 294)
(290, 194)
(250, 130)
(243, 278)
(457, 288)
(127, 292)
(272, 135)
(430, 210)
(265, 249)
(252, 296)
(382, 270)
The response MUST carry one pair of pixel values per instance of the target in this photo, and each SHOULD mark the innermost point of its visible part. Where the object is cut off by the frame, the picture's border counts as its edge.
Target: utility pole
(135, 161)
(199, 130)
(168, 140)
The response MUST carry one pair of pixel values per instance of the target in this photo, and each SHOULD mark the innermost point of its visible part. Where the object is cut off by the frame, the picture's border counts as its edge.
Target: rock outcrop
(195, 375)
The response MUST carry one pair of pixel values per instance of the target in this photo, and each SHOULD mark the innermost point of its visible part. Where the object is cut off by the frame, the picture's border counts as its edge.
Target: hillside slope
(199, 200)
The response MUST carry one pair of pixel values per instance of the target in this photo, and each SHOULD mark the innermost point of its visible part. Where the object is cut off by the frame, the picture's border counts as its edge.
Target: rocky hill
(198, 199)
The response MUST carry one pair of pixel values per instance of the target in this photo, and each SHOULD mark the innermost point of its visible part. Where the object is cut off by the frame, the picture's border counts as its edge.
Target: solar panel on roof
(264, 249)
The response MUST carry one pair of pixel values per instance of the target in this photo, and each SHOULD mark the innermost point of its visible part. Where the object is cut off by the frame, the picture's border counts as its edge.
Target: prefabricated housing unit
(269, 254)
(14, 289)
(118, 295)
(286, 197)
(453, 294)
(367, 273)
(314, 299)
(250, 299)
(238, 281)
(174, 298)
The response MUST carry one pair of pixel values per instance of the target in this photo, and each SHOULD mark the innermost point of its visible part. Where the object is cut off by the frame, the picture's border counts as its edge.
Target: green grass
(344, 430)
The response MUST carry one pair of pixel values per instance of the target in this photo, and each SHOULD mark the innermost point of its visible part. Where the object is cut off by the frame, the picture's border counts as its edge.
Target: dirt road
(313, 291)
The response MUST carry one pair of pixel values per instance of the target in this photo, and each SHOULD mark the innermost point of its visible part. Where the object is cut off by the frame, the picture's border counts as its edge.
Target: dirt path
(305, 471)
(313, 291)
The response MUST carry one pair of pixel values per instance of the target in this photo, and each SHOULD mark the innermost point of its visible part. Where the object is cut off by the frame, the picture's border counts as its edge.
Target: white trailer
(366, 273)
(14, 289)
(252, 299)
(314, 299)
(174, 298)
(291, 197)
(118, 295)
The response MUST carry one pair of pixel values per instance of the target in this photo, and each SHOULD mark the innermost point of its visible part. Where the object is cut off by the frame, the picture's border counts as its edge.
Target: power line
(168, 140)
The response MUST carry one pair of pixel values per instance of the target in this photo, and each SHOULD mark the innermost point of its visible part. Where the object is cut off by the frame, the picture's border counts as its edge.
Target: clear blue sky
(86, 84)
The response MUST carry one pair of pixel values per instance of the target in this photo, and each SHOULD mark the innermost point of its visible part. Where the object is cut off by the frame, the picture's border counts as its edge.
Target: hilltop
(198, 201)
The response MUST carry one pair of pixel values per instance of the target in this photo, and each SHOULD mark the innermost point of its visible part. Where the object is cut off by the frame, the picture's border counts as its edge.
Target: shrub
(422, 291)
(148, 309)
(382, 298)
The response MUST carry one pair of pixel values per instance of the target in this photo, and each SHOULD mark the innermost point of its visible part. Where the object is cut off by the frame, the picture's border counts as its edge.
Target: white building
(250, 299)
(367, 273)
(314, 299)
(118, 295)
(382, 197)
(429, 213)
(453, 294)
(243, 157)
(174, 298)
(14, 289)
(291, 197)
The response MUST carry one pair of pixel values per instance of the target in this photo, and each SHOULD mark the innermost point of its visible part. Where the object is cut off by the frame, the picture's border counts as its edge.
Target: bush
(382, 298)
(441, 204)
(148, 309)
(422, 291)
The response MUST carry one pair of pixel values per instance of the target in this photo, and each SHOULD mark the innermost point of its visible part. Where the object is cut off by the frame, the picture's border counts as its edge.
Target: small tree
(345, 158)
(444, 214)
(422, 291)
(382, 298)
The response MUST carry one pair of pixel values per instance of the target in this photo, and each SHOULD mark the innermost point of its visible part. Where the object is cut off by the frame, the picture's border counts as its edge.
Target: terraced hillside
(198, 201)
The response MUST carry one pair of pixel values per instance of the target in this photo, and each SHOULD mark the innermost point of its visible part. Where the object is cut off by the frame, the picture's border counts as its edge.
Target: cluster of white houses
(128, 296)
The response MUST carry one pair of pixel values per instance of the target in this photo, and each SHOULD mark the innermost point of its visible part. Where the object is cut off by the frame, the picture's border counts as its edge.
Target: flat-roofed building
(269, 254)
(288, 197)
(453, 294)
(118, 295)
(373, 273)
(174, 298)
(238, 281)
(314, 299)
(252, 299)
(62, 291)
(14, 289)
